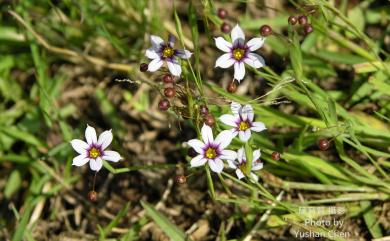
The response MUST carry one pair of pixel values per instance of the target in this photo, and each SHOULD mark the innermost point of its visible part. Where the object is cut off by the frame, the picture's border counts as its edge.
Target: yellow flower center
(168, 52)
(210, 153)
(94, 153)
(243, 167)
(243, 126)
(238, 53)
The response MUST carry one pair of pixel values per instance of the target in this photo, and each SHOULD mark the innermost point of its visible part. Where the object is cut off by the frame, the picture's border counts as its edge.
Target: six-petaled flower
(212, 150)
(238, 52)
(242, 121)
(94, 150)
(240, 165)
(162, 52)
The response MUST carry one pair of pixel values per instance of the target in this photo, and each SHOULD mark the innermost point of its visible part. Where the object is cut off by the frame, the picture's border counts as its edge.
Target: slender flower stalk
(212, 151)
(162, 52)
(240, 164)
(242, 121)
(238, 52)
(94, 150)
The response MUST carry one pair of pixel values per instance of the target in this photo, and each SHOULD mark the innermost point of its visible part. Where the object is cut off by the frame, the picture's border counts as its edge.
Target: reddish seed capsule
(169, 92)
(204, 110)
(209, 120)
(167, 79)
(143, 67)
(275, 155)
(292, 20)
(222, 13)
(164, 104)
(265, 30)
(307, 28)
(232, 87)
(92, 196)
(191, 152)
(181, 179)
(225, 27)
(302, 20)
(323, 144)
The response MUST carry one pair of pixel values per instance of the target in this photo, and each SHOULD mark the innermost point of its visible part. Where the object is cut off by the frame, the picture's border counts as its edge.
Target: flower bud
(232, 87)
(292, 20)
(167, 79)
(302, 20)
(323, 144)
(209, 120)
(204, 110)
(307, 28)
(181, 179)
(222, 13)
(275, 155)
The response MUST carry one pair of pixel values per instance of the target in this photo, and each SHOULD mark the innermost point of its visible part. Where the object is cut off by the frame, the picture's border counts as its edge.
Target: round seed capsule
(143, 67)
(265, 30)
(225, 27)
(323, 144)
(307, 28)
(181, 179)
(209, 120)
(232, 87)
(292, 20)
(169, 92)
(204, 110)
(164, 104)
(167, 79)
(302, 20)
(92, 196)
(222, 13)
(275, 155)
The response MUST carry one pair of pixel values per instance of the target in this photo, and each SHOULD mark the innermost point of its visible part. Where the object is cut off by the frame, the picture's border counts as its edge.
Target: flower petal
(184, 54)
(247, 113)
(80, 160)
(241, 155)
(80, 146)
(229, 120)
(216, 165)
(235, 107)
(96, 164)
(232, 164)
(239, 71)
(171, 40)
(105, 139)
(256, 155)
(244, 135)
(228, 155)
(174, 67)
(151, 53)
(223, 45)
(207, 134)
(90, 135)
(257, 165)
(237, 34)
(156, 41)
(258, 126)
(223, 139)
(197, 145)
(254, 60)
(111, 156)
(197, 161)
(239, 174)
(225, 61)
(155, 64)
(256, 178)
(255, 43)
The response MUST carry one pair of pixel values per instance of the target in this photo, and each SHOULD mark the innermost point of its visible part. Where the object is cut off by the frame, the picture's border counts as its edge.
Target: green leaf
(167, 226)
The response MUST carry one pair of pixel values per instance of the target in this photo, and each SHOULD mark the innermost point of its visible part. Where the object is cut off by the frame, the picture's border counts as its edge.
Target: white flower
(239, 52)
(240, 164)
(161, 52)
(242, 121)
(93, 151)
(212, 151)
